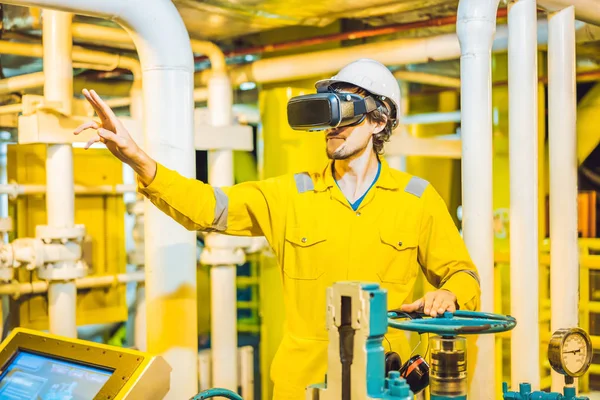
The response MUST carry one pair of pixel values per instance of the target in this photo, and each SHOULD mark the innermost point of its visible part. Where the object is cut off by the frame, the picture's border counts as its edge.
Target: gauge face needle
(573, 351)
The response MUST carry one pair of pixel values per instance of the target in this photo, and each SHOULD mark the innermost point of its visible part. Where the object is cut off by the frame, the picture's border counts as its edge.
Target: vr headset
(326, 110)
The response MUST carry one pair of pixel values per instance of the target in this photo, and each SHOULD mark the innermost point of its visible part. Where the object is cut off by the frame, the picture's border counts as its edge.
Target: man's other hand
(433, 303)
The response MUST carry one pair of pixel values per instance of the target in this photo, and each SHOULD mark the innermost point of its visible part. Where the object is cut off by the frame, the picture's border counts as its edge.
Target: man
(356, 219)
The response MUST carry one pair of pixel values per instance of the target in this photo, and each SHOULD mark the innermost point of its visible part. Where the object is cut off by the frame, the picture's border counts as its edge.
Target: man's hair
(379, 115)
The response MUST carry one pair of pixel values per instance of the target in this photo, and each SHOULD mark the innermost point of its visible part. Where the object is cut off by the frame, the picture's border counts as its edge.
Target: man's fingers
(451, 307)
(412, 307)
(87, 125)
(109, 136)
(429, 297)
(435, 306)
(88, 96)
(106, 110)
(92, 141)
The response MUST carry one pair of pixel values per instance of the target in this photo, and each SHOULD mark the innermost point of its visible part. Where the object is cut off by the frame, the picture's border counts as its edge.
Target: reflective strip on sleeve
(416, 186)
(304, 182)
(221, 210)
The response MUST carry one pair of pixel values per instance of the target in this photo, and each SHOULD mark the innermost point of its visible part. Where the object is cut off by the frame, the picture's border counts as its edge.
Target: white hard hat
(372, 76)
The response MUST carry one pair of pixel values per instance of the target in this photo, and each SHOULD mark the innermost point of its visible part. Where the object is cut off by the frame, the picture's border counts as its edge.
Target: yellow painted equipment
(34, 364)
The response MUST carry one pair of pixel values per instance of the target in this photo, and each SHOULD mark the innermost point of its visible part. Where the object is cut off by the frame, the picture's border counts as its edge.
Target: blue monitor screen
(32, 376)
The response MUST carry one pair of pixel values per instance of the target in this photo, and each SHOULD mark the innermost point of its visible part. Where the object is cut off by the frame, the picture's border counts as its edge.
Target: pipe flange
(6, 275)
(63, 271)
(50, 233)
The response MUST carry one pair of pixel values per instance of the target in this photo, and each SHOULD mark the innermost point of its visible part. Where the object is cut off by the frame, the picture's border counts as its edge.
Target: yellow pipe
(94, 59)
(588, 135)
(118, 36)
(426, 78)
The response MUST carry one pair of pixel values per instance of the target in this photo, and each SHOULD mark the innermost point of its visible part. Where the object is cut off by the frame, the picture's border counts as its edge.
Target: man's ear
(380, 126)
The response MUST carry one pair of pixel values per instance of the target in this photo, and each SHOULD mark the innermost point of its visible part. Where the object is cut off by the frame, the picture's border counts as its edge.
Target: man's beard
(344, 154)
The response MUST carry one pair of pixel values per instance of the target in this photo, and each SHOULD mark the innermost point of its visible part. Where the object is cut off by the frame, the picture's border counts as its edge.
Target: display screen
(32, 376)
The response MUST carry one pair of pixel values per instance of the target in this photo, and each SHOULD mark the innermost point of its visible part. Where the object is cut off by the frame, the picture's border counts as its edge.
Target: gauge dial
(570, 352)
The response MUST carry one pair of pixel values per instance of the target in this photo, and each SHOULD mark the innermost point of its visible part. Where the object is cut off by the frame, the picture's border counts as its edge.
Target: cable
(217, 392)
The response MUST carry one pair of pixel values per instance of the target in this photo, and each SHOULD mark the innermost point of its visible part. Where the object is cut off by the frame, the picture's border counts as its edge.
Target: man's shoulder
(410, 184)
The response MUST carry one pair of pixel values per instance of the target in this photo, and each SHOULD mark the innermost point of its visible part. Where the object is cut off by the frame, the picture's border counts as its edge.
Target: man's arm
(247, 209)
(445, 261)
(443, 254)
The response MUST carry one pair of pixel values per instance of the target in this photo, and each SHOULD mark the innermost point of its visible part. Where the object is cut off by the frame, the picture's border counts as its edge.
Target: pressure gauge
(570, 352)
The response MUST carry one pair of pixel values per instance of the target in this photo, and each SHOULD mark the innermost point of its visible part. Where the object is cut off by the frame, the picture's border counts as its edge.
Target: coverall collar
(386, 179)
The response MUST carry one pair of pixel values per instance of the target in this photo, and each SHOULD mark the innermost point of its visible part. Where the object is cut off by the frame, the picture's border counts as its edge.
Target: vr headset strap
(366, 106)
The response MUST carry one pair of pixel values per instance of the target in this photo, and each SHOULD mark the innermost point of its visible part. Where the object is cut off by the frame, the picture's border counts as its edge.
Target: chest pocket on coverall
(398, 258)
(305, 251)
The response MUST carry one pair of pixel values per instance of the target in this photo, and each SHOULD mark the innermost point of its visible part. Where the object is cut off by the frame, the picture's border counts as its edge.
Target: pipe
(585, 10)
(426, 78)
(140, 320)
(475, 28)
(223, 287)
(15, 190)
(167, 69)
(11, 109)
(84, 57)
(562, 140)
(523, 150)
(351, 35)
(200, 95)
(90, 282)
(21, 82)
(432, 118)
(393, 52)
(60, 195)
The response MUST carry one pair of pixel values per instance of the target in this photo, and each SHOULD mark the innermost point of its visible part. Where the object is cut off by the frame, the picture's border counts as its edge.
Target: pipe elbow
(476, 24)
(214, 54)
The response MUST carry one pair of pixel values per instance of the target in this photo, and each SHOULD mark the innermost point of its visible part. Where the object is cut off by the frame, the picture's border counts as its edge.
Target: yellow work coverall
(401, 226)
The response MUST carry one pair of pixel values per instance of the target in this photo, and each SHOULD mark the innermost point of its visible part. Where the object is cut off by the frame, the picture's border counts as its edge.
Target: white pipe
(393, 52)
(223, 287)
(562, 100)
(60, 194)
(15, 190)
(585, 10)
(432, 118)
(61, 308)
(140, 321)
(428, 79)
(200, 95)
(224, 328)
(523, 151)
(167, 69)
(89, 282)
(476, 24)
(246, 355)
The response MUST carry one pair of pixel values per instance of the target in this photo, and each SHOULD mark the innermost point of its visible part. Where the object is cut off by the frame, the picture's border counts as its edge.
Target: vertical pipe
(170, 249)
(523, 152)
(564, 260)
(60, 193)
(136, 111)
(223, 286)
(476, 25)
(399, 162)
(247, 372)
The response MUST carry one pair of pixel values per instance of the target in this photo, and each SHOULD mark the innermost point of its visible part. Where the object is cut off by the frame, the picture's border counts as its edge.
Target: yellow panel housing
(148, 377)
(104, 220)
